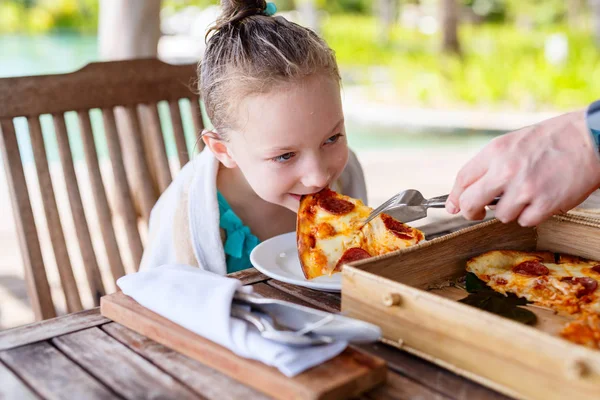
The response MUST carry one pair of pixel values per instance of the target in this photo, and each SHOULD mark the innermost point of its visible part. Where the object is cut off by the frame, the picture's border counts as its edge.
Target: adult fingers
(511, 204)
(534, 214)
(473, 170)
(478, 195)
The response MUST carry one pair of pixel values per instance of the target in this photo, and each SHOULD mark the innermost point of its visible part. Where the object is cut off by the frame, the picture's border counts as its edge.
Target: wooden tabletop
(85, 355)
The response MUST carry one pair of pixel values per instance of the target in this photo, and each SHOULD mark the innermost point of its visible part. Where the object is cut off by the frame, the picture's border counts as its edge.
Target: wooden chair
(128, 95)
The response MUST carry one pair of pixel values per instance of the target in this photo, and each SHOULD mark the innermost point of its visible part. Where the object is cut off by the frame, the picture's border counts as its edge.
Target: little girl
(272, 92)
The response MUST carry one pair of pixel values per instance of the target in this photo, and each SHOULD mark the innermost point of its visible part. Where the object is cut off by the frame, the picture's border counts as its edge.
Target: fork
(271, 330)
(414, 205)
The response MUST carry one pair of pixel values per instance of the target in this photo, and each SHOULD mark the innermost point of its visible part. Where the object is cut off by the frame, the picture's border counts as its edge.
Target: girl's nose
(316, 176)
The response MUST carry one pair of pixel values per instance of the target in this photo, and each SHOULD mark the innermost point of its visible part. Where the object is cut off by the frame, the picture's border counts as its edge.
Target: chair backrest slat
(141, 181)
(97, 85)
(38, 288)
(122, 193)
(197, 119)
(107, 230)
(57, 238)
(176, 121)
(81, 226)
(153, 137)
(118, 135)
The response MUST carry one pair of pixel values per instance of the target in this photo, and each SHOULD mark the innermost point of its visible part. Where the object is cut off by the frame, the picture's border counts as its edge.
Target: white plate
(278, 258)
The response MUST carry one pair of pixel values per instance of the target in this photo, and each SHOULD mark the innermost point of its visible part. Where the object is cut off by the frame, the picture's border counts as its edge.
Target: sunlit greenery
(503, 64)
(40, 16)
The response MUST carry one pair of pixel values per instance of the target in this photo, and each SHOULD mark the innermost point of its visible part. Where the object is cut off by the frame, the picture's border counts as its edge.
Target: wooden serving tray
(405, 294)
(345, 376)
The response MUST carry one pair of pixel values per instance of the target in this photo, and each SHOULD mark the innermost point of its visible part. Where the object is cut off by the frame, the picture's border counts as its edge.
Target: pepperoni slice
(596, 268)
(531, 268)
(335, 206)
(589, 285)
(396, 227)
(352, 254)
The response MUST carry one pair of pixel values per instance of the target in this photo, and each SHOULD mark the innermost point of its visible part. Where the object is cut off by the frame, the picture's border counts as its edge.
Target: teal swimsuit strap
(239, 242)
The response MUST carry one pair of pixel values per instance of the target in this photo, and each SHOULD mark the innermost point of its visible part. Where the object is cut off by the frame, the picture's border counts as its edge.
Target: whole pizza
(561, 282)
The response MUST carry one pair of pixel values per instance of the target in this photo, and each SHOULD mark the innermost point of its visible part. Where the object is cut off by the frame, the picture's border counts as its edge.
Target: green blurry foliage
(503, 63)
(502, 67)
(40, 16)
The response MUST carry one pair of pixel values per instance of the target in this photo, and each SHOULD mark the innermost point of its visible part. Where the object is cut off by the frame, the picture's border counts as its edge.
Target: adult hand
(539, 171)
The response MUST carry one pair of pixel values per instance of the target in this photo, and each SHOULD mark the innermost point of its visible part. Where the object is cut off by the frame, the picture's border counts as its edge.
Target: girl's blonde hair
(249, 53)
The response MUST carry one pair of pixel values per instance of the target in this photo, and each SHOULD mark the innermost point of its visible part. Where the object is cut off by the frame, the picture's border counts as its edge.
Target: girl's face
(291, 141)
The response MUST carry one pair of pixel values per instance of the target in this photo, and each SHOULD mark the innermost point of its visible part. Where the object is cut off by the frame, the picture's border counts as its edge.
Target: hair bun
(236, 10)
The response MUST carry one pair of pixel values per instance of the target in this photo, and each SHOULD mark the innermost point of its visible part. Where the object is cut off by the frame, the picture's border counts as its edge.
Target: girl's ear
(219, 148)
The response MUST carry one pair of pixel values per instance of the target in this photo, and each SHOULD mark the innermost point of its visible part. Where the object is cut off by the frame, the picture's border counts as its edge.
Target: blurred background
(426, 83)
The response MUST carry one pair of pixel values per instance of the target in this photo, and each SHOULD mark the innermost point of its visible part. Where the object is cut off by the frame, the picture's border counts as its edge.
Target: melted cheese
(334, 234)
(334, 247)
(381, 240)
(495, 268)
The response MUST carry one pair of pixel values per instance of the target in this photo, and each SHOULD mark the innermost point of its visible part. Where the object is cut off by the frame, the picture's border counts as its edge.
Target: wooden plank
(326, 301)
(512, 358)
(101, 202)
(97, 85)
(143, 187)
(12, 387)
(177, 122)
(126, 210)
(455, 249)
(346, 375)
(421, 371)
(203, 380)
(400, 387)
(38, 288)
(50, 328)
(119, 368)
(430, 375)
(197, 120)
(86, 248)
(155, 143)
(52, 374)
(557, 235)
(57, 237)
(249, 276)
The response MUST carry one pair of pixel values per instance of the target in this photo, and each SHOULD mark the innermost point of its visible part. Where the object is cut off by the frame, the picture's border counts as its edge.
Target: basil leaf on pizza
(474, 284)
(504, 306)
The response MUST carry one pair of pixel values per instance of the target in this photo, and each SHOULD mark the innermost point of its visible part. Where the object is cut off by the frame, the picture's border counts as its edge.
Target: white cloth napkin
(200, 301)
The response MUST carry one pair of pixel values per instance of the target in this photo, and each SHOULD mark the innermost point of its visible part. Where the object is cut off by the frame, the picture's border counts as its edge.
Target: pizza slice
(330, 232)
(584, 331)
(561, 282)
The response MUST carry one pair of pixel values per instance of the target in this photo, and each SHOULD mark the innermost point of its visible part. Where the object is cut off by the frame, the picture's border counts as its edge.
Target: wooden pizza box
(407, 295)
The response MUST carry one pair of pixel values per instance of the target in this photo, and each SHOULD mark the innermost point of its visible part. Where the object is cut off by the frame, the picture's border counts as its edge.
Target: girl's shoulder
(170, 226)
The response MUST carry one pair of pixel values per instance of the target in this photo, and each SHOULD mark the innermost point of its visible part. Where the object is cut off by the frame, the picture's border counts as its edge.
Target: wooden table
(85, 355)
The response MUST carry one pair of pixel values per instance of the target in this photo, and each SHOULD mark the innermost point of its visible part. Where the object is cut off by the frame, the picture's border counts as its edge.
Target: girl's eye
(333, 139)
(284, 157)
